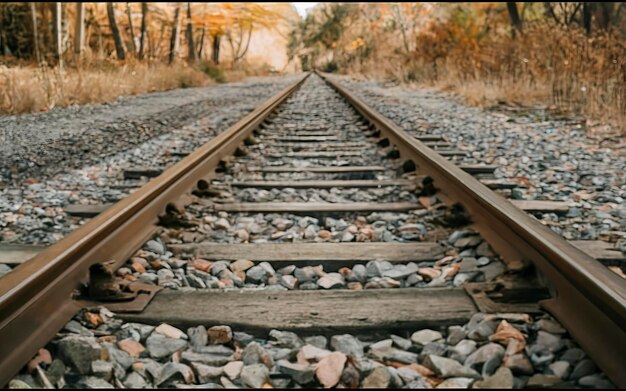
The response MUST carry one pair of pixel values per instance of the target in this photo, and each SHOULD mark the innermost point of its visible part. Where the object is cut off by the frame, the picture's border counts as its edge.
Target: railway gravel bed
(550, 158)
(98, 350)
(70, 163)
(222, 241)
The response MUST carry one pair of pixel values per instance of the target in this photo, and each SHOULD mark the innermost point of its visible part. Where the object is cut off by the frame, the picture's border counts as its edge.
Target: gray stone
(400, 342)
(76, 328)
(595, 381)
(543, 381)
(485, 353)
(492, 270)
(135, 380)
(102, 369)
(214, 360)
(560, 368)
(552, 342)
(347, 344)
(175, 371)
(301, 374)
(288, 281)
(254, 376)
(318, 341)
(455, 335)
(461, 350)
(436, 348)
(197, 336)
(519, 364)
(305, 274)
(155, 247)
(218, 267)
(551, 326)
(447, 367)
(91, 382)
(484, 250)
(393, 354)
(256, 275)
(503, 378)
(456, 382)
(583, 368)
(413, 279)
(401, 271)
(286, 339)
(254, 354)
(360, 273)
(422, 337)
(383, 344)
(206, 373)
(378, 378)
(219, 335)
(233, 369)
(331, 281)
(79, 352)
(159, 346)
(377, 268)
(573, 355)
(219, 350)
(17, 384)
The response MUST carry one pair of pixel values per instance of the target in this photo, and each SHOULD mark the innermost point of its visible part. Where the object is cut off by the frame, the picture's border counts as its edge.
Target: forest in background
(568, 56)
(58, 54)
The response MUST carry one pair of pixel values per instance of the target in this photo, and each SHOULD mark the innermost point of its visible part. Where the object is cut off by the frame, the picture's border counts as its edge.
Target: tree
(57, 16)
(79, 29)
(133, 48)
(216, 48)
(175, 34)
(201, 43)
(516, 21)
(119, 45)
(191, 49)
(33, 12)
(586, 22)
(144, 28)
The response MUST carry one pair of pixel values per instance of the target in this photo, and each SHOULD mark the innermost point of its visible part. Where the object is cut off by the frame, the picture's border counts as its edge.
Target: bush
(330, 67)
(213, 71)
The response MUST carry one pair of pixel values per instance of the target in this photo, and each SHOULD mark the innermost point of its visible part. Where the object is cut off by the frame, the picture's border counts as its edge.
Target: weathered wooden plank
(86, 210)
(478, 168)
(331, 255)
(307, 312)
(541, 206)
(137, 173)
(432, 137)
(321, 184)
(315, 154)
(318, 170)
(14, 254)
(499, 183)
(316, 207)
(320, 146)
(303, 139)
(600, 250)
(451, 152)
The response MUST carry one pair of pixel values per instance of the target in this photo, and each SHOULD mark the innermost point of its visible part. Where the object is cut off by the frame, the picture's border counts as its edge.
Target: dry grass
(28, 89)
(547, 66)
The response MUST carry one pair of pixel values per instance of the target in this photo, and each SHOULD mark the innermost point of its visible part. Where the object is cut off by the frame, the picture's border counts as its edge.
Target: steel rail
(587, 298)
(36, 298)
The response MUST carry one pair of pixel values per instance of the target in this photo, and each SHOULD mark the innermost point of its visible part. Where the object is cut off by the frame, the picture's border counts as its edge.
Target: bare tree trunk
(175, 34)
(144, 27)
(191, 49)
(57, 29)
(119, 45)
(586, 20)
(201, 46)
(516, 21)
(133, 47)
(216, 49)
(606, 9)
(33, 12)
(79, 29)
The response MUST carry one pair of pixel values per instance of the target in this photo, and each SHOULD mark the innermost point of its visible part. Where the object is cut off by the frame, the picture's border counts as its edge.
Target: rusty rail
(587, 298)
(36, 298)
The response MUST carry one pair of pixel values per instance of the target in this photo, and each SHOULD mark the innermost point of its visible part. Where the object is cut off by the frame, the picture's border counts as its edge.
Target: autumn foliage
(473, 49)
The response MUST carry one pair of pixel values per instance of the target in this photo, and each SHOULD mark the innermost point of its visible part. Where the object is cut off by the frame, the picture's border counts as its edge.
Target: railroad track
(303, 217)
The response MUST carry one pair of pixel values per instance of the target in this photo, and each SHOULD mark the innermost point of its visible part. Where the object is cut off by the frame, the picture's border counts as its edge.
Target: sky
(303, 7)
